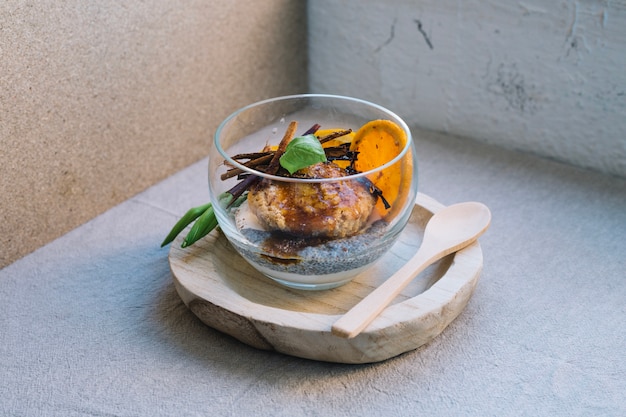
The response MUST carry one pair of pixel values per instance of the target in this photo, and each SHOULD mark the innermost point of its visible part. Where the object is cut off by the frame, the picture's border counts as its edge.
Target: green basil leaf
(301, 152)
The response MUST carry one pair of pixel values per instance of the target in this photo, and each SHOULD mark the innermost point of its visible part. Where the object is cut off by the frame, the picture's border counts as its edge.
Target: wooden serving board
(226, 293)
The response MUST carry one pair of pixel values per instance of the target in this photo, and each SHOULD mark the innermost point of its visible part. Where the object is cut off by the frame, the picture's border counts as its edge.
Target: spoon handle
(363, 313)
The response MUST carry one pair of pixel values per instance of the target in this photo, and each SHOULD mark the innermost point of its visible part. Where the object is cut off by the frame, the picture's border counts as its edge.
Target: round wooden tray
(226, 293)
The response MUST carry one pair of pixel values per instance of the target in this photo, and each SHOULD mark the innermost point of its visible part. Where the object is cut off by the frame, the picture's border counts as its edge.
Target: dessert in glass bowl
(312, 189)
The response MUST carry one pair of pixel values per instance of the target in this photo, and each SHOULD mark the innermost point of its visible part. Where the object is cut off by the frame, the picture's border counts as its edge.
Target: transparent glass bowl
(285, 229)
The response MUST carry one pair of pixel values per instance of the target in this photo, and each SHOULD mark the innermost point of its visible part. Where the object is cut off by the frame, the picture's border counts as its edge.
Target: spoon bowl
(448, 231)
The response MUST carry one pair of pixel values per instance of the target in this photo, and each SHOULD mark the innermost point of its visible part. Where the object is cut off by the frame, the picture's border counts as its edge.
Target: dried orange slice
(377, 143)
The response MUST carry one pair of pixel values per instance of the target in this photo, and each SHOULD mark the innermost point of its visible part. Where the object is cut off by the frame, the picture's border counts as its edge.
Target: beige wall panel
(99, 100)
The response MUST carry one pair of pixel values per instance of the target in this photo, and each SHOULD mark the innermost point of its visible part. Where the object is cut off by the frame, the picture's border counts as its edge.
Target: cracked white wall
(537, 76)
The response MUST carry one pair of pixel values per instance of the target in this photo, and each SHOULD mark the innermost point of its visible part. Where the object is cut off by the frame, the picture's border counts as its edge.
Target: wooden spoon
(448, 231)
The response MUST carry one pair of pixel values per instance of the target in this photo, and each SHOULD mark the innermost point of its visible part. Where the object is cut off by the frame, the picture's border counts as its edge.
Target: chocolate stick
(275, 162)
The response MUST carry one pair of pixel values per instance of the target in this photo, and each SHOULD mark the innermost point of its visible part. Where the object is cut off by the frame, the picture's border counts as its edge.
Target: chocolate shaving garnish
(241, 187)
(377, 192)
(340, 153)
(253, 155)
(275, 162)
(272, 168)
(255, 163)
(334, 135)
(312, 129)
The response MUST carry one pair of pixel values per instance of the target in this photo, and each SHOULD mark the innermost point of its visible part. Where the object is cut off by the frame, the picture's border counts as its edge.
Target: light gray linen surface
(91, 325)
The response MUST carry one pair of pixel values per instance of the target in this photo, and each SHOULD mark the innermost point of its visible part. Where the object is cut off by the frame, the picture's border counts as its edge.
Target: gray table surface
(91, 325)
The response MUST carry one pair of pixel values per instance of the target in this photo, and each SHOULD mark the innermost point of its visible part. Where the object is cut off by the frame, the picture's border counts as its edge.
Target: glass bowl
(322, 225)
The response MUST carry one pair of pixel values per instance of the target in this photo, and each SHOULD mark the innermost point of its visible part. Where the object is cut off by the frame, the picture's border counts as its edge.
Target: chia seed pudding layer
(329, 257)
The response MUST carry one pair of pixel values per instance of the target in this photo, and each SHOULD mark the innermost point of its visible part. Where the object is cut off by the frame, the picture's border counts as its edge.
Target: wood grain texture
(226, 293)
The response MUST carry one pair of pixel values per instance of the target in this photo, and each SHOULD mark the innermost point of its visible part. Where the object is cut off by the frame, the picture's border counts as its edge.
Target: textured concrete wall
(547, 77)
(99, 100)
